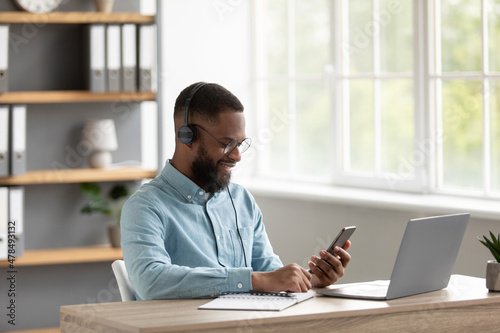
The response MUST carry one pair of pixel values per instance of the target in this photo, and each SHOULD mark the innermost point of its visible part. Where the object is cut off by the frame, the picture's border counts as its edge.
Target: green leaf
(492, 245)
(92, 190)
(118, 191)
(485, 244)
(86, 210)
(487, 240)
(99, 204)
(495, 240)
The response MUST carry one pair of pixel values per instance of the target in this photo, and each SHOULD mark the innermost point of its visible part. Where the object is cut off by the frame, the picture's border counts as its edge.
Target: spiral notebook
(257, 301)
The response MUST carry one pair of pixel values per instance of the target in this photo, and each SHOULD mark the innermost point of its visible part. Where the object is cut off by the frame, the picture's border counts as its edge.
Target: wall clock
(38, 6)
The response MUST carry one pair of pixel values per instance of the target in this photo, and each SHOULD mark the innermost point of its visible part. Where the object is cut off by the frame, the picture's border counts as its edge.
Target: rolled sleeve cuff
(240, 279)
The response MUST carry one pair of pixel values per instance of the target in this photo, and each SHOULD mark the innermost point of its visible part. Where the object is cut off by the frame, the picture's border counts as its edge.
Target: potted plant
(110, 205)
(493, 266)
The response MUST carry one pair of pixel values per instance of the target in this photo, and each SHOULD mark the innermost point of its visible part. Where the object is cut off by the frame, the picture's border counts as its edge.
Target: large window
(375, 94)
(393, 94)
(464, 85)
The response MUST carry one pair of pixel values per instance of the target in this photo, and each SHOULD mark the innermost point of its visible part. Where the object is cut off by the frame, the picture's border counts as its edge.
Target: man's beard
(205, 170)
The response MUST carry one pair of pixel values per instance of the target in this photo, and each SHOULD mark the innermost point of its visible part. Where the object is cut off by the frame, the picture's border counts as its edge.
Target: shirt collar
(185, 186)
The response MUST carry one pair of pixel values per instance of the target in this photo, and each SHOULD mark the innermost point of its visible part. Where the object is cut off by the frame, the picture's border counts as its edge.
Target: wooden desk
(465, 306)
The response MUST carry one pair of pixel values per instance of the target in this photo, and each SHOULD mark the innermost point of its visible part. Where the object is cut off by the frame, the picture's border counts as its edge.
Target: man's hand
(329, 268)
(291, 278)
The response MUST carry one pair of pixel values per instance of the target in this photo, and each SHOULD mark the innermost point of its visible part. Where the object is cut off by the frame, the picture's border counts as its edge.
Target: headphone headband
(187, 134)
(188, 100)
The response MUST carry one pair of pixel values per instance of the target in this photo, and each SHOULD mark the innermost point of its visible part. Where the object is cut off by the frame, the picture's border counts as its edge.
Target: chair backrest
(127, 292)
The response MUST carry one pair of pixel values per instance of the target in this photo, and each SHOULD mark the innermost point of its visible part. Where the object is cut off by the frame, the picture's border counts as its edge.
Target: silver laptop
(424, 263)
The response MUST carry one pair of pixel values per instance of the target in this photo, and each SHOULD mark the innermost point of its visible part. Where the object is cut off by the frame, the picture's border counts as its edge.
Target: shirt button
(240, 285)
(201, 193)
(189, 197)
(218, 237)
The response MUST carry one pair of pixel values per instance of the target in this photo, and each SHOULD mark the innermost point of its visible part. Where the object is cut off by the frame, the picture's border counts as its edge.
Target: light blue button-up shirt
(178, 244)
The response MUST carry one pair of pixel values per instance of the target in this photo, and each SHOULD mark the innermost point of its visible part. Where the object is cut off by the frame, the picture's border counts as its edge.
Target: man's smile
(227, 166)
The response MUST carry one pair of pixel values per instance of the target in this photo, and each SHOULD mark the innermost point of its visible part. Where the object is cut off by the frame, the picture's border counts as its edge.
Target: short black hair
(207, 103)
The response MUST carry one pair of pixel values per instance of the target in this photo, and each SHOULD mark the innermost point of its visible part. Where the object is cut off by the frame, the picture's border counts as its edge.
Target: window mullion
(377, 132)
(484, 33)
(292, 128)
(422, 141)
(376, 93)
(344, 84)
(262, 157)
(486, 138)
(486, 104)
(438, 103)
(437, 39)
(439, 135)
(346, 126)
(335, 89)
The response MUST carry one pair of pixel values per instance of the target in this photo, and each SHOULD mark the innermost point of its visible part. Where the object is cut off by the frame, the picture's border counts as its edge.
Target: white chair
(127, 292)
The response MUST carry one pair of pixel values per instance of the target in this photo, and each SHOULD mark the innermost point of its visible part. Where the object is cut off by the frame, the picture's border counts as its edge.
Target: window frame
(427, 150)
(377, 179)
(435, 78)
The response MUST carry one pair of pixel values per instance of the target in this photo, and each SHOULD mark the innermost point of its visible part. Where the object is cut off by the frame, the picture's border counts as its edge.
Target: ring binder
(4, 141)
(4, 220)
(18, 140)
(16, 217)
(4, 58)
(129, 57)
(96, 46)
(113, 61)
(146, 56)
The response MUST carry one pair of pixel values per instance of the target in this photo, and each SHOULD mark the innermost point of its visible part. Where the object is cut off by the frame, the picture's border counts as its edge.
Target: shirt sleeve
(149, 266)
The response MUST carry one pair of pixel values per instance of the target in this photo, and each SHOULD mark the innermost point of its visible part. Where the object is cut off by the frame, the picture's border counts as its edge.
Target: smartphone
(341, 238)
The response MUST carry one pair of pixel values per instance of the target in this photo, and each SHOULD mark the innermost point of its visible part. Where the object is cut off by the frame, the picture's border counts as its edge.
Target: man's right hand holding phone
(329, 268)
(324, 270)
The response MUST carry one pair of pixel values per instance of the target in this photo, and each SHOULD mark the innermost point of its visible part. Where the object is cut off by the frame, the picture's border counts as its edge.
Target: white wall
(300, 228)
(203, 41)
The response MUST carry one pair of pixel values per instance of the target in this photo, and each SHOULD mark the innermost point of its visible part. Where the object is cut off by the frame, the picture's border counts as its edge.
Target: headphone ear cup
(187, 134)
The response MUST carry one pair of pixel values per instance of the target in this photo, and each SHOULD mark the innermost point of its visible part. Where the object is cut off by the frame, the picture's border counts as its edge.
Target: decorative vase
(114, 234)
(100, 159)
(493, 275)
(104, 6)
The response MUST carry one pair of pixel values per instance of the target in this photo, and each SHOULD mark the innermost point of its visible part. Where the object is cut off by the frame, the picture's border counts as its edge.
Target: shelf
(78, 176)
(73, 96)
(75, 18)
(73, 255)
(41, 330)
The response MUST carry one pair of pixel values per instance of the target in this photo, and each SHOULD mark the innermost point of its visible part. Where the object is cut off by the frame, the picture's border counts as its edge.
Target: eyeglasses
(229, 147)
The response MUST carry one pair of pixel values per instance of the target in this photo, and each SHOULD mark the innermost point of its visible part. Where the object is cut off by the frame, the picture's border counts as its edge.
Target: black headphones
(187, 133)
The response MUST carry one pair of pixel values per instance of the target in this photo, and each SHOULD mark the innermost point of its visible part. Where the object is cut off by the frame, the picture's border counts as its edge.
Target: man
(190, 232)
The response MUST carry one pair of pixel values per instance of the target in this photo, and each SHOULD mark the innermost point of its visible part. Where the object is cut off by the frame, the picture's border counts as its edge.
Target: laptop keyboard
(378, 288)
